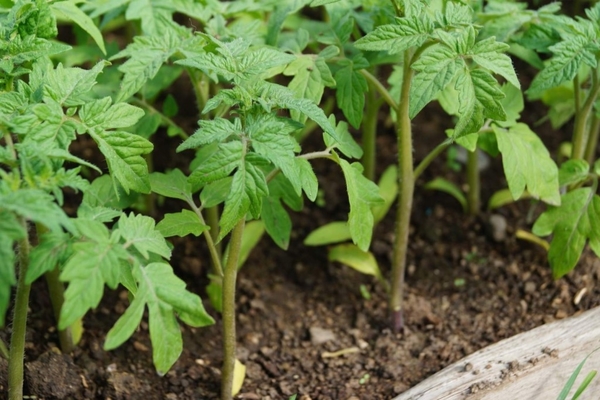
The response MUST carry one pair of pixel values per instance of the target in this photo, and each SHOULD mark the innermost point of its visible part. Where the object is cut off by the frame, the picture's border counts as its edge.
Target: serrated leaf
(436, 69)
(277, 222)
(248, 188)
(181, 224)
(52, 251)
(219, 165)
(92, 264)
(140, 232)
(568, 56)
(489, 54)
(102, 193)
(214, 130)
(123, 152)
(102, 114)
(35, 205)
(395, 38)
(68, 10)
(345, 142)
(333, 232)
(310, 184)
(571, 225)
(527, 164)
(173, 184)
(573, 172)
(363, 195)
(308, 83)
(360, 260)
(71, 87)
(350, 93)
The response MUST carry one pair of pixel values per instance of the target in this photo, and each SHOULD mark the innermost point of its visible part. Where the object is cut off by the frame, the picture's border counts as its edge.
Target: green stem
(3, 350)
(473, 181)
(201, 87)
(590, 150)
(406, 185)
(150, 108)
(17, 340)
(212, 248)
(57, 297)
(580, 134)
(212, 218)
(430, 157)
(229, 337)
(385, 94)
(369, 133)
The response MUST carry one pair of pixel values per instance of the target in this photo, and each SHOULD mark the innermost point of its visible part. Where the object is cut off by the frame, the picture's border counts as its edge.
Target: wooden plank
(532, 365)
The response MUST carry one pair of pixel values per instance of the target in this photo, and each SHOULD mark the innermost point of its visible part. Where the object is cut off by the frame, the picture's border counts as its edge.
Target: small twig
(342, 352)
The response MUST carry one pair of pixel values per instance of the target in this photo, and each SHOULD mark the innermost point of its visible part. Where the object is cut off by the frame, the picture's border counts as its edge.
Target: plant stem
(163, 117)
(473, 181)
(17, 340)
(406, 185)
(229, 337)
(369, 133)
(212, 248)
(212, 218)
(57, 297)
(580, 131)
(3, 350)
(385, 94)
(592, 145)
(430, 157)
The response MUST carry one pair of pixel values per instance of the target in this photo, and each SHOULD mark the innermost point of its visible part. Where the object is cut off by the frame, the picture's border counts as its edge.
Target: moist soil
(304, 326)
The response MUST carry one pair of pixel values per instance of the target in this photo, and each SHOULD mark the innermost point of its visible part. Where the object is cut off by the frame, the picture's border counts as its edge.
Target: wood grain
(532, 365)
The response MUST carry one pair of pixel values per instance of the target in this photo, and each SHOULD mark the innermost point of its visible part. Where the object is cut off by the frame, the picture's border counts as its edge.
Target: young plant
(42, 110)
(441, 48)
(249, 162)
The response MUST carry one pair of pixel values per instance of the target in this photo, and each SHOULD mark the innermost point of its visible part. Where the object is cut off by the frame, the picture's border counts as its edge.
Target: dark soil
(303, 326)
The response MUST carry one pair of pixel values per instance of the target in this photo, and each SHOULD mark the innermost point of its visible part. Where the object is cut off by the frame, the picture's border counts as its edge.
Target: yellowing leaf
(362, 261)
(239, 373)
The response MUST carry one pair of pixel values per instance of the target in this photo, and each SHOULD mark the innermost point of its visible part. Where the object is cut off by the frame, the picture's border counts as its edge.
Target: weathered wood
(531, 365)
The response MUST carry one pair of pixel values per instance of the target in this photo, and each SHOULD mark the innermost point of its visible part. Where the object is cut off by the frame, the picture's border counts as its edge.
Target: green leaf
(388, 190)
(52, 251)
(350, 93)
(126, 324)
(7, 274)
(436, 68)
(573, 172)
(140, 232)
(123, 152)
(333, 232)
(489, 54)
(277, 222)
(215, 192)
(71, 87)
(68, 10)
(310, 184)
(181, 224)
(360, 260)
(568, 57)
(527, 164)
(218, 165)
(174, 184)
(308, 81)
(363, 195)
(395, 38)
(102, 193)
(35, 205)
(214, 130)
(503, 197)
(443, 185)
(571, 225)
(248, 188)
(345, 142)
(92, 264)
(146, 55)
(100, 113)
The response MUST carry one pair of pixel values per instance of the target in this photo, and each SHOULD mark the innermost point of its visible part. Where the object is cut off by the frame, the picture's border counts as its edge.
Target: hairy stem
(383, 92)
(473, 182)
(212, 217)
(215, 256)
(430, 157)
(3, 350)
(581, 133)
(229, 337)
(592, 145)
(369, 133)
(17, 339)
(57, 297)
(406, 185)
